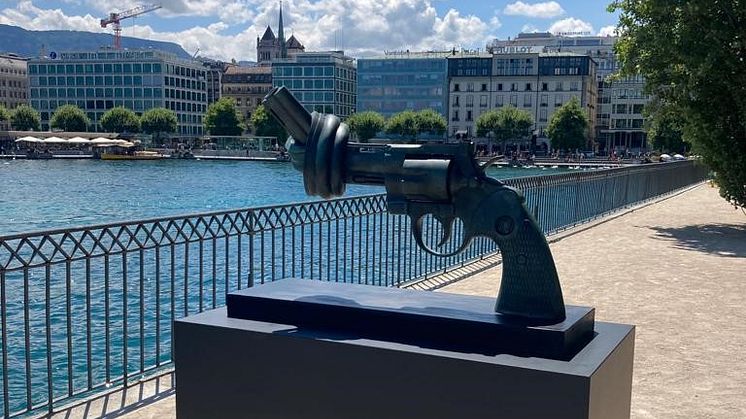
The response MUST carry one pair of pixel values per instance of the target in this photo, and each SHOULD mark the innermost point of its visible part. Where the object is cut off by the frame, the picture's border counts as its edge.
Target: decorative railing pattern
(86, 309)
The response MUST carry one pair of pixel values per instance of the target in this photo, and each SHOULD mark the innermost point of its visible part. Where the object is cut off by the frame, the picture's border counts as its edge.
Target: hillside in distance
(27, 43)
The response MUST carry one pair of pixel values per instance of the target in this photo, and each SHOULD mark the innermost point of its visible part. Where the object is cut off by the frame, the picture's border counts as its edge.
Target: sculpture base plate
(231, 367)
(407, 316)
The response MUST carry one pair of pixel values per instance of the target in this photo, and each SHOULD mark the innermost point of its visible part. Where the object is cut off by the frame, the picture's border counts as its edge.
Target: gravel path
(676, 270)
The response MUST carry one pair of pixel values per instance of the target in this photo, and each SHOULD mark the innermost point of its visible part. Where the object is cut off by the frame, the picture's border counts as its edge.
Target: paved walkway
(677, 270)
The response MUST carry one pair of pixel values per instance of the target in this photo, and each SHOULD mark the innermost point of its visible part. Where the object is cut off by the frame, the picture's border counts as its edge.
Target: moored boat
(137, 155)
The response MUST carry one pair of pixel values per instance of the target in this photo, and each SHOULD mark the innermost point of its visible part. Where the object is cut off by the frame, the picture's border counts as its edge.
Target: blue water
(45, 194)
(95, 303)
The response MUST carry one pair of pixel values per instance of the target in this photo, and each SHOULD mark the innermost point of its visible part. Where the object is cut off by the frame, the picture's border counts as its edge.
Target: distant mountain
(29, 43)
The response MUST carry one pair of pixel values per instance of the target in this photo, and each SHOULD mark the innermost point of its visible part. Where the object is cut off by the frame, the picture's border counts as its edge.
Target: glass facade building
(322, 81)
(138, 80)
(398, 82)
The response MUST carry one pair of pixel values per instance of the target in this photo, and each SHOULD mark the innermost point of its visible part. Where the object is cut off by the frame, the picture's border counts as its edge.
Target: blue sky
(228, 29)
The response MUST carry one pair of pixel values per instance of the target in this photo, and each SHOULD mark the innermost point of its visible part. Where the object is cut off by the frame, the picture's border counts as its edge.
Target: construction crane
(116, 18)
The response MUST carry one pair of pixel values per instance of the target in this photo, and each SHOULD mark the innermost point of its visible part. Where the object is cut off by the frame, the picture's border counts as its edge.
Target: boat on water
(136, 155)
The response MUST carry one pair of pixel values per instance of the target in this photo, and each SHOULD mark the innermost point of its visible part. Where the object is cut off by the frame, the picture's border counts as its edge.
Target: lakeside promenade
(676, 269)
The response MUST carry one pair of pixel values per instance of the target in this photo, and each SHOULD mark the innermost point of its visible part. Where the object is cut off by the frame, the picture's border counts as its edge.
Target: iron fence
(87, 309)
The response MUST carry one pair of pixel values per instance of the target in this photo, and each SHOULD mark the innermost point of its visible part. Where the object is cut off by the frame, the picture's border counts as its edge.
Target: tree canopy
(120, 120)
(430, 121)
(25, 118)
(158, 121)
(69, 118)
(266, 125)
(4, 114)
(504, 124)
(409, 124)
(693, 57)
(403, 123)
(663, 127)
(568, 126)
(222, 118)
(365, 125)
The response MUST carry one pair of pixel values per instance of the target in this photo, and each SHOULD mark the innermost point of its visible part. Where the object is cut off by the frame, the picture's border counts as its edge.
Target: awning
(29, 140)
(78, 140)
(55, 140)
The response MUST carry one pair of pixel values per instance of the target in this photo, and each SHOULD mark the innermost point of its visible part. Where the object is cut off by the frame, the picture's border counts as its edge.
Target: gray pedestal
(229, 367)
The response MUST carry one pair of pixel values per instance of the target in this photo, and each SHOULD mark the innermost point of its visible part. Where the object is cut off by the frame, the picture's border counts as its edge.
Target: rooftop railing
(84, 310)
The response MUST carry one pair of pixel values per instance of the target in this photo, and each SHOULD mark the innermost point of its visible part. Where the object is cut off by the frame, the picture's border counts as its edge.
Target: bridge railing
(84, 310)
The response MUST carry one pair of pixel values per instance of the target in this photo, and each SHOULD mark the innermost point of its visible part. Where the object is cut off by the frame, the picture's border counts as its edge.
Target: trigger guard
(417, 233)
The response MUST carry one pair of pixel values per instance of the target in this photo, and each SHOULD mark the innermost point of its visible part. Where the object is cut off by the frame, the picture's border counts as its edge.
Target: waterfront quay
(87, 311)
(672, 267)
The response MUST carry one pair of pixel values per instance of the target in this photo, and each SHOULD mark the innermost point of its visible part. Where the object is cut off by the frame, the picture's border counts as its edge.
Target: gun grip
(530, 287)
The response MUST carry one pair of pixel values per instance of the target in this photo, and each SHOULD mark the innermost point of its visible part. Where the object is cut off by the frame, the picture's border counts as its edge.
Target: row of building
(536, 72)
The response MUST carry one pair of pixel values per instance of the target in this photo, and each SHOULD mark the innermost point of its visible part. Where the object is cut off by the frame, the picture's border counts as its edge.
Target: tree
(119, 120)
(366, 124)
(223, 119)
(404, 124)
(4, 115)
(25, 118)
(430, 121)
(157, 121)
(568, 126)
(663, 127)
(504, 124)
(265, 125)
(693, 57)
(69, 118)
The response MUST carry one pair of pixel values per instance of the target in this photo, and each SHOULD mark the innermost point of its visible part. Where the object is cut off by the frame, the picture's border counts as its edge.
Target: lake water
(45, 194)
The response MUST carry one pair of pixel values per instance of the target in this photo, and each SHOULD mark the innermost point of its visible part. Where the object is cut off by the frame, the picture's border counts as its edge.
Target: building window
(544, 87)
(455, 116)
(500, 87)
(484, 87)
(483, 101)
(469, 87)
(514, 100)
(574, 85)
(558, 87)
(469, 101)
(469, 116)
(513, 87)
(527, 100)
(528, 87)
(543, 115)
(545, 100)
(499, 100)
(456, 101)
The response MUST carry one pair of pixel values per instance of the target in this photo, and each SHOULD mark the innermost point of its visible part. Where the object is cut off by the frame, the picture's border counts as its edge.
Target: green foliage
(223, 118)
(69, 118)
(504, 124)
(430, 121)
(568, 127)
(265, 125)
(158, 121)
(4, 114)
(663, 127)
(25, 118)
(366, 124)
(693, 58)
(403, 123)
(410, 124)
(120, 120)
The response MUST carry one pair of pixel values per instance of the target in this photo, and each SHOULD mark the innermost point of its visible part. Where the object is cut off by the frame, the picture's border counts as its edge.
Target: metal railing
(86, 309)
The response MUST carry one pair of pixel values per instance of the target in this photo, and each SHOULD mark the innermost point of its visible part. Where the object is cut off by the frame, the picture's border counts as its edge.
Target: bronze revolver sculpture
(441, 180)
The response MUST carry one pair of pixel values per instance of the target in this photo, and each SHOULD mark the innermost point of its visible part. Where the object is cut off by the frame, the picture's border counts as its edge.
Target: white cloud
(529, 28)
(544, 10)
(571, 25)
(608, 31)
(361, 28)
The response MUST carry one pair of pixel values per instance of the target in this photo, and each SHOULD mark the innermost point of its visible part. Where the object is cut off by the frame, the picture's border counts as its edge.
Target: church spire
(281, 36)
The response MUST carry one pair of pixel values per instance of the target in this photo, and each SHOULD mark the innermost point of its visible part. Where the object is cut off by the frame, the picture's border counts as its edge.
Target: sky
(227, 29)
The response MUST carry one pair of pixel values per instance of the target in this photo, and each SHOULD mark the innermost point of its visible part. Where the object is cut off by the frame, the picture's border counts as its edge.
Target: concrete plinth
(229, 367)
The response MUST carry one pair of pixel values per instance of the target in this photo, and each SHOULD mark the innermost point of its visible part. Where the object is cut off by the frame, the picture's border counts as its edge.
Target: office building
(619, 111)
(321, 81)
(13, 83)
(135, 79)
(247, 86)
(536, 82)
(402, 81)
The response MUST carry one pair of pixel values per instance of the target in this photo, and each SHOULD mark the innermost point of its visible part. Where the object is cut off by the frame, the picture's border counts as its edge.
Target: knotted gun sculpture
(441, 180)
